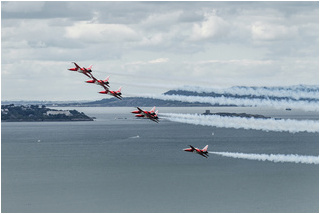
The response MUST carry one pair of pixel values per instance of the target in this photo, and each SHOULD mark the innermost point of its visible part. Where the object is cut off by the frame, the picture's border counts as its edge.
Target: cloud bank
(199, 43)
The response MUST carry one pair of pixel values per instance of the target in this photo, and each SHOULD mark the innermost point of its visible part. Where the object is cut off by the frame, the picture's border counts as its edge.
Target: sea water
(118, 163)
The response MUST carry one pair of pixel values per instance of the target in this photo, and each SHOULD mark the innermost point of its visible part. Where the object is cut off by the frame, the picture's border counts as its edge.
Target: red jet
(103, 83)
(116, 94)
(85, 71)
(152, 115)
(202, 152)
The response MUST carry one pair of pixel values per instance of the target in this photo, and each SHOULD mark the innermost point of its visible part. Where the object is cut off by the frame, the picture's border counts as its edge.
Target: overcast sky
(152, 47)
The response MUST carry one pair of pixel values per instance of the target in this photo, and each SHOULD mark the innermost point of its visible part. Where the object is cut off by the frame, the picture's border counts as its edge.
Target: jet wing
(140, 109)
(148, 115)
(104, 86)
(76, 65)
(93, 78)
(117, 96)
(155, 120)
(88, 74)
(203, 155)
(192, 147)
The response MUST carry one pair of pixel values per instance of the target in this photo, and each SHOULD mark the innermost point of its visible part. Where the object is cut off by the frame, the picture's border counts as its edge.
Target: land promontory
(20, 113)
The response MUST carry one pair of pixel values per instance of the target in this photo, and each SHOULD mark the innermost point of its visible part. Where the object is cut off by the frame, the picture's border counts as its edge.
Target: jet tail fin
(152, 110)
(205, 148)
(107, 79)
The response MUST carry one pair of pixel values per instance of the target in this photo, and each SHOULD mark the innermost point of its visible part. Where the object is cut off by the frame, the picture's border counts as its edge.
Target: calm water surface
(121, 164)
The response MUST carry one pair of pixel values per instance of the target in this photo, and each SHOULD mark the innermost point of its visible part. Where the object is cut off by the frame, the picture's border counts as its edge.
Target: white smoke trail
(305, 105)
(272, 157)
(295, 92)
(271, 124)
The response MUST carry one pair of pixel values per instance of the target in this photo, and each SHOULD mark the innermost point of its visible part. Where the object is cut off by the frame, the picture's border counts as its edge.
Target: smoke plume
(295, 92)
(301, 104)
(281, 125)
(272, 157)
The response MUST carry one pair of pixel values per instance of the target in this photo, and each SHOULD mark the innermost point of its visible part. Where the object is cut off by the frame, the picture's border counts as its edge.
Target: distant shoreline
(13, 121)
(36, 113)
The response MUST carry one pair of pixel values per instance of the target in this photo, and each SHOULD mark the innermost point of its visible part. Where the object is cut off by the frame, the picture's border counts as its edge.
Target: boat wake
(135, 137)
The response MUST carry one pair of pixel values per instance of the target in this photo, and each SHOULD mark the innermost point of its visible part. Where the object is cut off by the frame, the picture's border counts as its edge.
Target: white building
(66, 112)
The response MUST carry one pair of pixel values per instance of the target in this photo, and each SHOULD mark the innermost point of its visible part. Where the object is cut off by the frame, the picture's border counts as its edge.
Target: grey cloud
(113, 34)
(22, 7)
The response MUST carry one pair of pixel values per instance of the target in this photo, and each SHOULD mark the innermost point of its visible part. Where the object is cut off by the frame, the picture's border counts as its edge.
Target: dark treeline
(14, 113)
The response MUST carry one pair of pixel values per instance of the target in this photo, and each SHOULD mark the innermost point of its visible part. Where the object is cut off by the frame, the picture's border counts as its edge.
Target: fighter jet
(103, 83)
(152, 115)
(116, 94)
(202, 152)
(83, 70)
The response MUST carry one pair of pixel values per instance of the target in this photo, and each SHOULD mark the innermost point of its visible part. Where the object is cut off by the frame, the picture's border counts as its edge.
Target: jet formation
(152, 115)
(140, 113)
(103, 83)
